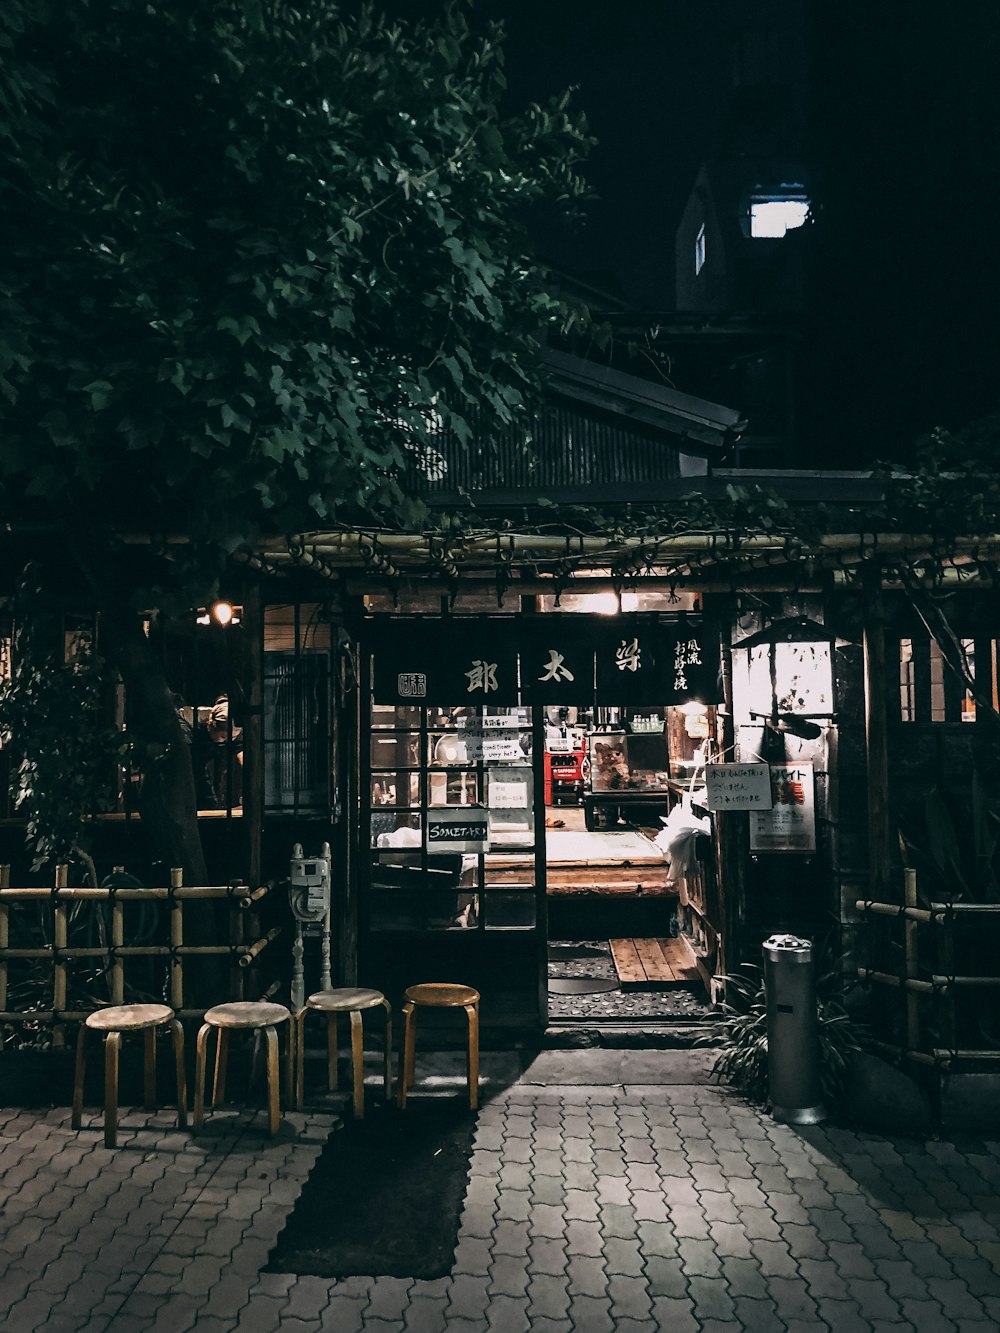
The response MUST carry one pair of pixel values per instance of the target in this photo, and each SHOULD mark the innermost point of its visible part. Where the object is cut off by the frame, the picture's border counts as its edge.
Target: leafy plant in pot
(740, 1036)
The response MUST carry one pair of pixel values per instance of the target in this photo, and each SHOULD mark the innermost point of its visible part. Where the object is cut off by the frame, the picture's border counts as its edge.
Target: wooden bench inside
(654, 964)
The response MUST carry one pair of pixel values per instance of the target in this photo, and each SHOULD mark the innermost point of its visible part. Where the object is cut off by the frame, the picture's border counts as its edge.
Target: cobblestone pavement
(634, 1208)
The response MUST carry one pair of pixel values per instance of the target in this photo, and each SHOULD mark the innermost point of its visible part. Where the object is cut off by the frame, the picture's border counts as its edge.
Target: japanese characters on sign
(790, 824)
(738, 787)
(557, 661)
(445, 662)
(547, 659)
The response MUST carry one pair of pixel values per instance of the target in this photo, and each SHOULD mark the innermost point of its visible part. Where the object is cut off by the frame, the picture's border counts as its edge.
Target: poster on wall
(463, 829)
(790, 824)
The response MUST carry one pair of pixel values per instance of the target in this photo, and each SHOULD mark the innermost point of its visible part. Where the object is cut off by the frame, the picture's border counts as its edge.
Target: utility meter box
(309, 883)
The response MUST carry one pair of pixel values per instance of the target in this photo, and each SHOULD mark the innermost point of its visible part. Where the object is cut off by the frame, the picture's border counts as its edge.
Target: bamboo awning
(688, 556)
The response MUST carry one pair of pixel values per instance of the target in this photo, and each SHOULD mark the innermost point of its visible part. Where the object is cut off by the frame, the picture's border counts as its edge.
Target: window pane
(403, 717)
(460, 787)
(508, 909)
(393, 829)
(395, 750)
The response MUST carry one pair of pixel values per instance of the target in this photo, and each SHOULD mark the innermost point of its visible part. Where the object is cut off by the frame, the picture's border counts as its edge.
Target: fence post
(910, 930)
(59, 941)
(176, 941)
(4, 944)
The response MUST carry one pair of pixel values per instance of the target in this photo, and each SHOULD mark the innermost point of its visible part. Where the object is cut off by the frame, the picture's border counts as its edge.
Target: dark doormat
(384, 1198)
(581, 985)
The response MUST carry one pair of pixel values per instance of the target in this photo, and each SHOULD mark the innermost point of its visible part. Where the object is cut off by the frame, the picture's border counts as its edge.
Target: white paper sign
(790, 824)
(738, 787)
(485, 741)
(508, 795)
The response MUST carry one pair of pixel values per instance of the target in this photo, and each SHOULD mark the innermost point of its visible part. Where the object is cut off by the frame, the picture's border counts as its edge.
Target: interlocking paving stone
(508, 1276)
(547, 1255)
(623, 1257)
(548, 1296)
(800, 1231)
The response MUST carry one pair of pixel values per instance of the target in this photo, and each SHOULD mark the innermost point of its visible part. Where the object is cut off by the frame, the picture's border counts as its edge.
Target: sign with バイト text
(459, 829)
(790, 824)
(738, 787)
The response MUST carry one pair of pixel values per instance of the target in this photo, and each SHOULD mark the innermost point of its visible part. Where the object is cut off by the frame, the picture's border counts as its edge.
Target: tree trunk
(167, 800)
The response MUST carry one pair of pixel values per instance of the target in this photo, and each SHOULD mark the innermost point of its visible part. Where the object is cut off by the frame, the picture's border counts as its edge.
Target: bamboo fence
(111, 956)
(940, 986)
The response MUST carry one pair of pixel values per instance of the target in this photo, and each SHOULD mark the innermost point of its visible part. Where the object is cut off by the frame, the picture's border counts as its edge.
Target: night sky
(654, 80)
(900, 132)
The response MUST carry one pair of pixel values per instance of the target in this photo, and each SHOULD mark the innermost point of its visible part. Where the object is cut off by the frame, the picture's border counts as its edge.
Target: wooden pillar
(350, 870)
(251, 668)
(731, 839)
(4, 943)
(876, 735)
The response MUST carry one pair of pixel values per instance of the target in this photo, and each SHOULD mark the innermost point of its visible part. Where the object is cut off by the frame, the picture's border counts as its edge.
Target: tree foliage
(52, 714)
(253, 251)
(252, 255)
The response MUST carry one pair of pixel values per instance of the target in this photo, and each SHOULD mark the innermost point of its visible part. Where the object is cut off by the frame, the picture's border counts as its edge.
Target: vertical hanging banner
(557, 660)
(689, 664)
(445, 662)
(628, 661)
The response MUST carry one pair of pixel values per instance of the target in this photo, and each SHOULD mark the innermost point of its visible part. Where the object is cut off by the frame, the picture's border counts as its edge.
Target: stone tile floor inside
(579, 959)
(633, 1208)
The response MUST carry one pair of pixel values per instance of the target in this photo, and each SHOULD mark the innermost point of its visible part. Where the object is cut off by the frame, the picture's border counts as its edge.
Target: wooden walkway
(654, 964)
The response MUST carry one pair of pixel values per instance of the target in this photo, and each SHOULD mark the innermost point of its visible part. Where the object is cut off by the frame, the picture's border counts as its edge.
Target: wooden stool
(345, 1000)
(440, 995)
(111, 1023)
(246, 1016)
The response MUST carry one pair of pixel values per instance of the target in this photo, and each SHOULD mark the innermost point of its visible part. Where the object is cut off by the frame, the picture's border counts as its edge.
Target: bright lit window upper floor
(773, 212)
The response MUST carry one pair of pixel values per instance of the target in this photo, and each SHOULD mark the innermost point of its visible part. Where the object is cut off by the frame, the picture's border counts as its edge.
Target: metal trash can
(792, 1031)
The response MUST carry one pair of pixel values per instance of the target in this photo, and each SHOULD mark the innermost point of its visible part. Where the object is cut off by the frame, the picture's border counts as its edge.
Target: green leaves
(52, 717)
(247, 237)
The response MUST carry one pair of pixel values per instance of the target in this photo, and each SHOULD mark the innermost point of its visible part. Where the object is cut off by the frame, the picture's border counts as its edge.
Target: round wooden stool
(353, 1001)
(110, 1023)
(440, 995)
(245, 1016)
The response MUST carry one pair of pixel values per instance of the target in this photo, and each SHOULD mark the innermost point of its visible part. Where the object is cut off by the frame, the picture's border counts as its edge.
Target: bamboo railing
(111, 957)
(942, 984)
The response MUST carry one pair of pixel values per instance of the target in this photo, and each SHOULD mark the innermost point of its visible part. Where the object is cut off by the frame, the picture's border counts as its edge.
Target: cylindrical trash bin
(792, 1031)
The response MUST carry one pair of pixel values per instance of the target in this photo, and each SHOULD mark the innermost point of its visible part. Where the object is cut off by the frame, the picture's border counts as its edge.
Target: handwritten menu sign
(491, 739)
(462, 829)
(738, 787)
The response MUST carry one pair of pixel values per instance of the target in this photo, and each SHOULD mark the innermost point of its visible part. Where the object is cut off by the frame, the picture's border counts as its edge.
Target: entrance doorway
(513, 826)
(625, 845)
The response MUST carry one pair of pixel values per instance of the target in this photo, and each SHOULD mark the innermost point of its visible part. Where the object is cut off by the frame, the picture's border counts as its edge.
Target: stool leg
(406, 1055)
(388, 1050)
(472, 1063)
(112, 1045)
(177, 1034)
(200, 1061)
(149, 1070)
(300, 1058)
(221, 1066)
(81, 1069)
(331, 1052)
(289, 1061)
(273, 1109)
(358, 1063)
